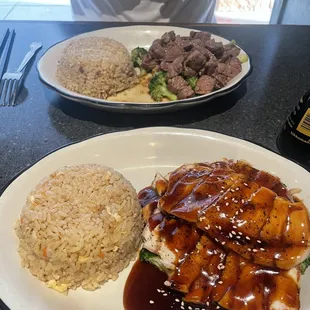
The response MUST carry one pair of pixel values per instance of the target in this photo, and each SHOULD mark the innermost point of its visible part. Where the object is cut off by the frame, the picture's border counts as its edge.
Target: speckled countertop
(43, 121)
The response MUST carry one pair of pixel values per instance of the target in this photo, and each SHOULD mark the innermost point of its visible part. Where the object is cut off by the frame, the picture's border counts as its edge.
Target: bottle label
(304, 125)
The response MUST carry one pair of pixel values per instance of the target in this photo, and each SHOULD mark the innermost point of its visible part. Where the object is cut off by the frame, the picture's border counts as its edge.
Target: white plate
(152, 149)
(131, 37)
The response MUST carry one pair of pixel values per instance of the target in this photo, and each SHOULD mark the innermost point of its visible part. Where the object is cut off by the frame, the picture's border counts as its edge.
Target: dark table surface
(43, 121)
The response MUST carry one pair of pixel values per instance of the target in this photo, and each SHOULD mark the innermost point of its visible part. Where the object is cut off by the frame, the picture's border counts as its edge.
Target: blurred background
(226, 12)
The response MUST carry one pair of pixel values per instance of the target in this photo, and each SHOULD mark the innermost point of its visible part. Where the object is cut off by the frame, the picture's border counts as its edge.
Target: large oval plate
(155, 150)
(131, 37)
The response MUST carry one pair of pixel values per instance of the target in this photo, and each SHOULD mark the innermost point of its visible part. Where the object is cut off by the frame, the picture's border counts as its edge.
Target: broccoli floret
(137, 55)
(304, 265)
(158, 87)
(233, 42)
(153, 259)
(192, 81)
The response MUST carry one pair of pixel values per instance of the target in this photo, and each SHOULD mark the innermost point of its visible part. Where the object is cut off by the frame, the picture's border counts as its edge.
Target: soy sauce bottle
(294, 139)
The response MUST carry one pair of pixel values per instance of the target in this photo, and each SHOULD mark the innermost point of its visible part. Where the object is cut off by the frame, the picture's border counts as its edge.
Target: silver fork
(10, 81)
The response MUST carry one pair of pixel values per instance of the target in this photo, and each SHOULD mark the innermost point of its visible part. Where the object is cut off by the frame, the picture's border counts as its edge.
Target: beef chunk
(205, 85)
(188, 72)
(167, 37)
(173, 51)
(230, 51)
(148, 63)
(230, 69)
(180, 87)
(186, 92)
(236, 64)
(164, 65)
(215, 48)
(203, 36)
(227, 71)
(176, 67)
(176, 84)
(195, 60)
(156, 51)
(208, 68)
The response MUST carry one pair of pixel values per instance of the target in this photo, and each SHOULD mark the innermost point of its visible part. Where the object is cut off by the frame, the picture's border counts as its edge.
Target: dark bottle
(294, 139)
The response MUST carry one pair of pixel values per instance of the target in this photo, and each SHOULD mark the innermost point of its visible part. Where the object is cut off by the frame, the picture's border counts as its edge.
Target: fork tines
(7, 85)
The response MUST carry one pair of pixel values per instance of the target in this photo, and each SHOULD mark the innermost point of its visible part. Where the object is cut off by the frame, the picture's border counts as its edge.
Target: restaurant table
(43, 121)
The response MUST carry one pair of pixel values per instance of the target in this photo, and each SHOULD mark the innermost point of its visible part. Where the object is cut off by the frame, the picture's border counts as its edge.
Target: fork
(10, 81)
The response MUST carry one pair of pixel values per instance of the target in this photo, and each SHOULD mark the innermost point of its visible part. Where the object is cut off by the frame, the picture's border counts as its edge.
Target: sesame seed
(151, 301)
(230, 235)
(190, 308)
(238, 237)
(207, 227)
(227, 204)
(235, 201)
(249, 250)
(208, 304)
(225, 198)
(222, 187)
(182, 308)
(220, 282)
(262, 249)
(216, 239)
(236, 212)
(232, 190)
(165, 294)
(220, 228)
(182, 303)
(221, 192)
(258, 241)
(217, 307)
(233, 232)
(254, 250)
(245, 184)
(237, 188)
(158, 290)
(177, 300)
(218, 208)
(167, 283)
(235, 227)
(209, 196)
(223, 243)
(237, 243)
(248, 238)
(240, 233)
(241, 210)
(242, 200)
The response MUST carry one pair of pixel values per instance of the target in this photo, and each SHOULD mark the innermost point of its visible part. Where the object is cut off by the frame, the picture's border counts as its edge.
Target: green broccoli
(304, 265)
(158, 87)
(192, 81)
(153, 259)
(137, 55)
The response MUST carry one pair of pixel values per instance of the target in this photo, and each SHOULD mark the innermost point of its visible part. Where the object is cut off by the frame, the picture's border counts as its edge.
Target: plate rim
(155, 129)
(115, 105)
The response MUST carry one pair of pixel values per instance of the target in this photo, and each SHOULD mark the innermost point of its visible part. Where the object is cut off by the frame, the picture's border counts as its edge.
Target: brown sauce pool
(145, 290)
